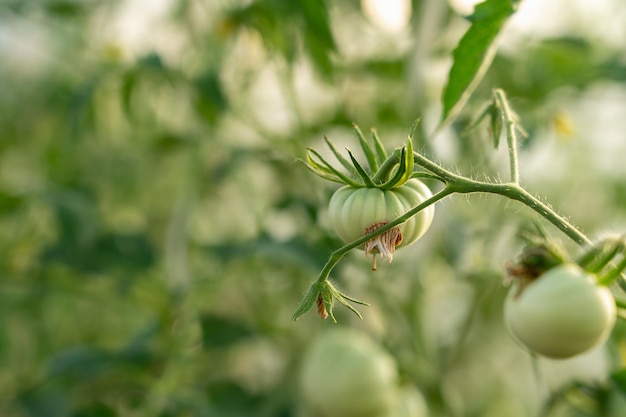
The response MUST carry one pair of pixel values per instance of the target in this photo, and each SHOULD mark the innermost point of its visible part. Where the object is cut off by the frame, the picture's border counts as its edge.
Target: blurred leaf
(76, 215)
(95, 410)
(107, 251)
(44, 401)
(9, 202)
(296, 251)
(266, 19)
(82, 363)
(282, 24)
(152, 61)
(85, 363)
(474, 54)
(551, 64)
(166, 142)
(393, 69)
(619, 379)
(129, 83)
(65, 8)
(318, 37)
(231, 400)
(211, 100)
(220, 332)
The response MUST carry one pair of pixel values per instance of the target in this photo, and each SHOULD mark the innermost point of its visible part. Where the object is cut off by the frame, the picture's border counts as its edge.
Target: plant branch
(463, 185)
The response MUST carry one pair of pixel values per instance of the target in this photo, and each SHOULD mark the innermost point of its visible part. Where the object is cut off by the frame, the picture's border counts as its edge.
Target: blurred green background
(157, 232)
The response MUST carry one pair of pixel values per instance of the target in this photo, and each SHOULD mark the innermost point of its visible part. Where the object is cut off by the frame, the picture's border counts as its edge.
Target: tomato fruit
(562, 313)
(354, 212)
(346, 374)
(410, 403)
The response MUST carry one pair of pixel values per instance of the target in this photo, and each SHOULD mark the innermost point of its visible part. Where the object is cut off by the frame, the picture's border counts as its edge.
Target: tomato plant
(155, 229)
(562, 313)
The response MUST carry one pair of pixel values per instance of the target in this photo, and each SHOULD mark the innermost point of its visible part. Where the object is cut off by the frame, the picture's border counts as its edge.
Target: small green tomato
(410, 403)
(345, 374)
(354, 212)
(560, 314)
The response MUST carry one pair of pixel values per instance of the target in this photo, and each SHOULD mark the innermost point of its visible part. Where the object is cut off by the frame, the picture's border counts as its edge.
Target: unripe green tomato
(352, 210)
(562, 313)
(346, 374)
(410, 403)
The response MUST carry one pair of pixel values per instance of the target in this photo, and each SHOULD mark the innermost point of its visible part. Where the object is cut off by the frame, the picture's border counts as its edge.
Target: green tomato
(354, 212)
(346, 374)
(410, 403)
(562, 313)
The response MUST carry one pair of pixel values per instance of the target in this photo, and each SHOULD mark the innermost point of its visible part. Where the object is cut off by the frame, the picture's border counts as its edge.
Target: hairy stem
(463, 185)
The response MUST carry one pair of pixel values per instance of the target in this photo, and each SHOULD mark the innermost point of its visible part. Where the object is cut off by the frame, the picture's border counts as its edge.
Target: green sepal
(378, 146)
(414, 128)
(322, 174)
(421, 175)
(327, 292)
(596, 257)
(367, 150)
(314, 164)
(332, 292)
(346, 164)
(409, 162)
(613, 274)
(307, 301)
(405, 169)
(398, 175)
(362, 173)
(621, 281)
(329, 168)
(496, 121)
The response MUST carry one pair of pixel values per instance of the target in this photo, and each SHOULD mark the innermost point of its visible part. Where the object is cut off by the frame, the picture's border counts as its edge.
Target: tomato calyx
(535, 260)
(383, 171)
(384, 244)
(323, 294)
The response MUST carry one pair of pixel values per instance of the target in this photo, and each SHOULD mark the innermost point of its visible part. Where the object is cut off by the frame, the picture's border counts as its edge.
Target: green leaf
(474, 54)
(318, 37)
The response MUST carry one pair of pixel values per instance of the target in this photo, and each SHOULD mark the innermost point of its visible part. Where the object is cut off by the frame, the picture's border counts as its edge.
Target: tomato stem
(464, 185)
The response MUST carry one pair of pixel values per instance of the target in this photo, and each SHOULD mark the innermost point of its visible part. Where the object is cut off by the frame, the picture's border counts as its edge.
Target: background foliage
(157, 233)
